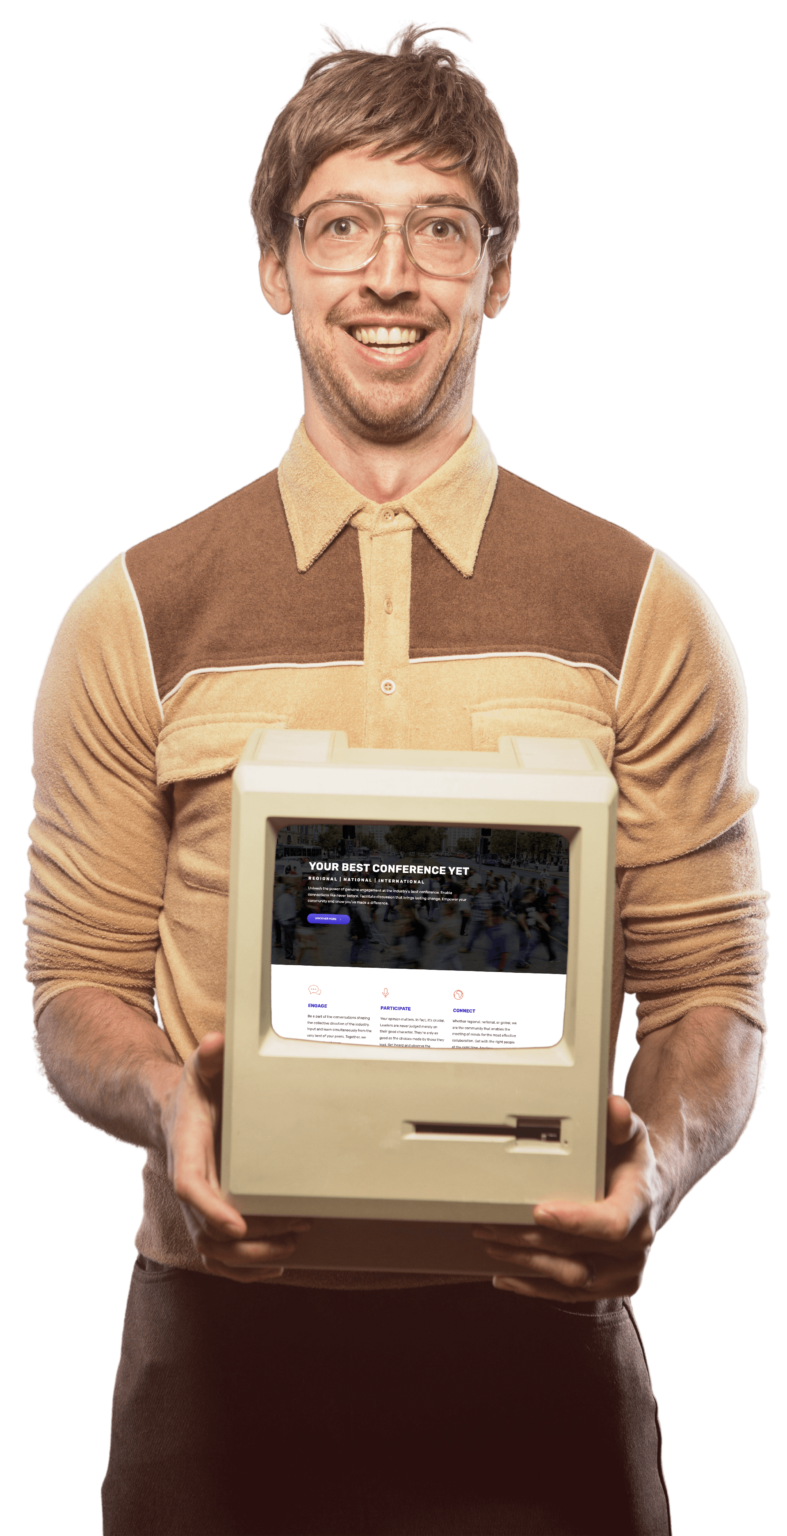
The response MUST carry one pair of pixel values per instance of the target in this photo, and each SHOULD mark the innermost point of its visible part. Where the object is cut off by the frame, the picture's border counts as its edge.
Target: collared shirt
(450, 508)
(475, 607)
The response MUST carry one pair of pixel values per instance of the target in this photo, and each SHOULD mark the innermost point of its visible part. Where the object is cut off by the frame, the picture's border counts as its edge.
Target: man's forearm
(109, 1063)
(694, 1084)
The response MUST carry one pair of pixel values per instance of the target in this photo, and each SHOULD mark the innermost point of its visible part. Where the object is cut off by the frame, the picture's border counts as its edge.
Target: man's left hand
(576, 1253)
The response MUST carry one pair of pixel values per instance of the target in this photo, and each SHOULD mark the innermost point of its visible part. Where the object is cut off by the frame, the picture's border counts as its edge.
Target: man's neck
(384, 471)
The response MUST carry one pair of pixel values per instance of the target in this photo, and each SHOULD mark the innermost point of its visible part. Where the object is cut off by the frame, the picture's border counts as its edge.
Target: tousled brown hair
(418, 98)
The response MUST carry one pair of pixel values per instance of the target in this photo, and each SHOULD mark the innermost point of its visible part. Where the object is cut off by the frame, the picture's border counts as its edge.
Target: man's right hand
(244, 1248)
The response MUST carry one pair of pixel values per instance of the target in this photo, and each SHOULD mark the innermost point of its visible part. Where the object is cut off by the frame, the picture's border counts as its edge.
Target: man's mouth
(388, 340)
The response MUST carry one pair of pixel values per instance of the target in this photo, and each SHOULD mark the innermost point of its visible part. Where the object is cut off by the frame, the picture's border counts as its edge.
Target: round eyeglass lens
(342, 236)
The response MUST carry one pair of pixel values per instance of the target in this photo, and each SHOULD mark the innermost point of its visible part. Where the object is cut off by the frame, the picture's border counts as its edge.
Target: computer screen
(420, 936)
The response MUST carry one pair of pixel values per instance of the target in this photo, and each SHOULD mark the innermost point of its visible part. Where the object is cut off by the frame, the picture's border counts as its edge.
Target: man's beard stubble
(383, 415)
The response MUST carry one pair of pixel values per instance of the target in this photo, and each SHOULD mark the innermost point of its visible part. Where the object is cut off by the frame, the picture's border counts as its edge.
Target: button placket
(387, 633)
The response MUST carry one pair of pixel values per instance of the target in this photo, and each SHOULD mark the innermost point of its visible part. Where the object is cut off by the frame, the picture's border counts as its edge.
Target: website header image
(445, 903)
(422, 897)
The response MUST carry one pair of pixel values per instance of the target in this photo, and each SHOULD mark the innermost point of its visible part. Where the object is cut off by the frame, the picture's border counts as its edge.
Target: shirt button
(388, 605)
(388, 685)
(388, 517)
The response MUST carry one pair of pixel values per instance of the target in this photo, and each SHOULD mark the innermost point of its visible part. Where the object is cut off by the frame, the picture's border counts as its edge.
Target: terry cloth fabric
(495, 609)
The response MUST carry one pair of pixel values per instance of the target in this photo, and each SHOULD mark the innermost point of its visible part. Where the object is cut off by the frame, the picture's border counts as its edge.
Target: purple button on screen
(327, 917)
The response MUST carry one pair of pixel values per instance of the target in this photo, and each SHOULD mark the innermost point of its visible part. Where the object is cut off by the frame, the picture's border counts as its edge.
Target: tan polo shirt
(476, 606)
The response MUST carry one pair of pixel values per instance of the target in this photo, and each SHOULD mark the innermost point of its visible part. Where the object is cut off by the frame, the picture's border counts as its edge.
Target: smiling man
(389, 360)
(388, 580)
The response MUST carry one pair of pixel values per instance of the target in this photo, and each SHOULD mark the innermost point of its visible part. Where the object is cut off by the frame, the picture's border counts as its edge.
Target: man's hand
(580, 1252)
(236, 1247)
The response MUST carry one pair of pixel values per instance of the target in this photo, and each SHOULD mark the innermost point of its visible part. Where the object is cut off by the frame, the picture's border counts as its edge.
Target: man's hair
(418, 98)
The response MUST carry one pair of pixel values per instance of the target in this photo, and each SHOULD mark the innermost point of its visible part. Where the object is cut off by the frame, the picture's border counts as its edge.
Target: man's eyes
(340, 228)
(346, 228)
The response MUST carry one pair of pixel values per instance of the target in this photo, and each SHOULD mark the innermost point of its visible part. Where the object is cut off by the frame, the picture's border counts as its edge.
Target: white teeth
(386, 336)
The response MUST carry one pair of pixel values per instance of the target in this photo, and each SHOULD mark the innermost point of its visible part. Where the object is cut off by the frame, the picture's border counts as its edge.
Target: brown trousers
(450, 1410)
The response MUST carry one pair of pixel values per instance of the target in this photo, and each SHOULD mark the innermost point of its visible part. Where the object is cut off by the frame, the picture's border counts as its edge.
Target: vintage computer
(418, 992)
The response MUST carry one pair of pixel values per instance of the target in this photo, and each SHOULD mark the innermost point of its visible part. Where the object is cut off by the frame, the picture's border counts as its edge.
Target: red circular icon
(458, 994)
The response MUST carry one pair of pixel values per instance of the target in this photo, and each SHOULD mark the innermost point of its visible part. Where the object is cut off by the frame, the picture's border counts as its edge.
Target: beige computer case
(327, 1130)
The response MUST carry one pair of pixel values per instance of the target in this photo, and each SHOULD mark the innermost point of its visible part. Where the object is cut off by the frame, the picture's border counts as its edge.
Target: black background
(154, 380)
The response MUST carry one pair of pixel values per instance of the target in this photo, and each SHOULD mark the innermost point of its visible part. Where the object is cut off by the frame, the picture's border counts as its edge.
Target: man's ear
(273, 282)
(499, 288)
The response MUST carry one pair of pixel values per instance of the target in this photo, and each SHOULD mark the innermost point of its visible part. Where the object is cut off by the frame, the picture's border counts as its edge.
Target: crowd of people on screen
(490, 919)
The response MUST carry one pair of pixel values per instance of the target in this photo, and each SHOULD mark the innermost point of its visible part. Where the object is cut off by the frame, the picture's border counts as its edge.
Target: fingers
(228, 1243)
(259, 1258)
(245, 1276)
(553, 1263)
(601, 1279)
(275, 1226)
(206, 1212)
(209, 1058)
(195, 1182)
(246, 1255)
(622, 1123)
(542, 1239)
(211, 1044)
(210, 1214)
(221, 1234)
(532, 1265)
(541, 1290)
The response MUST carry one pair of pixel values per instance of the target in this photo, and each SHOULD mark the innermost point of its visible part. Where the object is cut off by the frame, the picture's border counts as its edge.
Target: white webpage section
(426, 1009)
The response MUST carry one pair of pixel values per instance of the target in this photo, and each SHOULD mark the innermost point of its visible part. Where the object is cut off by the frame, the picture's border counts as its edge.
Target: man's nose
(391, 272)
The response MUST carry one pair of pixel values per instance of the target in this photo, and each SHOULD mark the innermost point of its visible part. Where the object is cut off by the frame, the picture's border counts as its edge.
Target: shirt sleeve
(100, 836)
(695, 931)
(692, 907)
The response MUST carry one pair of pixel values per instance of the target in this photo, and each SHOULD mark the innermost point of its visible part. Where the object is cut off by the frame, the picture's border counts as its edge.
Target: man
(285, 910)
(497, 938)
(446, 938)
(391, 582)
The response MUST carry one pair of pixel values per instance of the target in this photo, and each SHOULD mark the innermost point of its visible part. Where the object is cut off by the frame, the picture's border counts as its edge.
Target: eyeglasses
(441, 240)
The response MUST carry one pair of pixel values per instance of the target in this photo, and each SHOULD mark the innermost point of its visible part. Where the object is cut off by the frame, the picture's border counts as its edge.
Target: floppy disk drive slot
(517, 1128)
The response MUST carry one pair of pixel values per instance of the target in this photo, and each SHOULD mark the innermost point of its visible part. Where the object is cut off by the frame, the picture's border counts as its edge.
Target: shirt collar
(451, 506)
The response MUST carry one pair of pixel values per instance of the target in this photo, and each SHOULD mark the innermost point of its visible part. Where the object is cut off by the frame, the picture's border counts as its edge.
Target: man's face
(384, 393)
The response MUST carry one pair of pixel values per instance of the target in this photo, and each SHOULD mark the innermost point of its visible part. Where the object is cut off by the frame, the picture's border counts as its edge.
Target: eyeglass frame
(487, 231)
